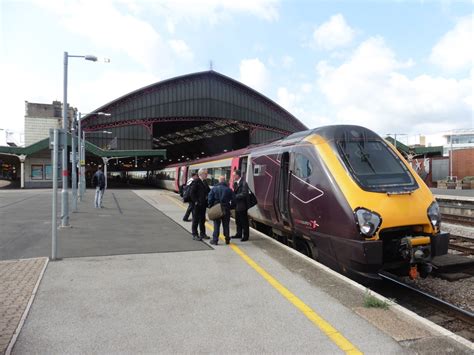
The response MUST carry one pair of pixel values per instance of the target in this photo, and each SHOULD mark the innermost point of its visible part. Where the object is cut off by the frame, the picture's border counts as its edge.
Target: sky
(394, 66)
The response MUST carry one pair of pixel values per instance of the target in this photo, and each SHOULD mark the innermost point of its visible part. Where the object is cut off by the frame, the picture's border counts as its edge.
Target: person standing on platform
(241, 191)
(194, 176)
(199, 192)
(98, 181)
(221, 193)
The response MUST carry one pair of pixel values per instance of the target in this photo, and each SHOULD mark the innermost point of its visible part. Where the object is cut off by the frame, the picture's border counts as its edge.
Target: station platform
(131, 279)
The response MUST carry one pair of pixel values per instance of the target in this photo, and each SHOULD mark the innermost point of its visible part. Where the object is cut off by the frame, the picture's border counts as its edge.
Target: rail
(462, 244)
(446, 307)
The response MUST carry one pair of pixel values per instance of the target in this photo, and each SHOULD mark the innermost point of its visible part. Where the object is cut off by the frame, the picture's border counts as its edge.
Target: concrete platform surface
(252, 297)
(126, 225)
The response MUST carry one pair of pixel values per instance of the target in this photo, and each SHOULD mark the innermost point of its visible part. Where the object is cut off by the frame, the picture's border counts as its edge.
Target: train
(340, 194)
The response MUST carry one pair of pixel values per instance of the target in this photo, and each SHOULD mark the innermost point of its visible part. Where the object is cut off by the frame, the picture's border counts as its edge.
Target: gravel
(459, 293)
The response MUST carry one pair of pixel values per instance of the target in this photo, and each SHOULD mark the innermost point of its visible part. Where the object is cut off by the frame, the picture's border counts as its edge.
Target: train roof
(332, 132)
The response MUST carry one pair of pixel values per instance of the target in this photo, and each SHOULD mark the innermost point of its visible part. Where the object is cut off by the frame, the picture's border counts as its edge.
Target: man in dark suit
(199, 192)
(241, 191)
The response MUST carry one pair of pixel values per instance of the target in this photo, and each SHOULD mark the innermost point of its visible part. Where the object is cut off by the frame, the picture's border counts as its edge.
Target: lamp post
(81, 147)
(74, 164)
(64, 191)
(451, 156)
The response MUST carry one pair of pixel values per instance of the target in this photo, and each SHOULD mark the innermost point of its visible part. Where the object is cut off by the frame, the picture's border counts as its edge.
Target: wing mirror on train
(434, 215)
(367, 221)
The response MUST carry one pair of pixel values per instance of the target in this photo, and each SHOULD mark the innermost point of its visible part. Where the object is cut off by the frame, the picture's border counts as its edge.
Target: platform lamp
(82, 151)
(64, 192)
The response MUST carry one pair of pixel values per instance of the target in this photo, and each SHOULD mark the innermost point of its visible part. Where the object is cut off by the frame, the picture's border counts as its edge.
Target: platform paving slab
(18, 279)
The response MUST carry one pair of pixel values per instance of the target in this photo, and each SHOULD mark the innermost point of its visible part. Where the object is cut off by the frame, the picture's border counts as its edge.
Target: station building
(183, 118)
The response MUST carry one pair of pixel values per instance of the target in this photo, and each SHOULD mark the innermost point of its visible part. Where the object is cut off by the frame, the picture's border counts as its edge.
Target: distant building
(40, 118)
(458, 139)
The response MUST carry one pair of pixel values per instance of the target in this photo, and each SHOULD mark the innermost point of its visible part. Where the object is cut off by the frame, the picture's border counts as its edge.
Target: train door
(283, 190)
(182, 176)
(241, 164)
(176, 179)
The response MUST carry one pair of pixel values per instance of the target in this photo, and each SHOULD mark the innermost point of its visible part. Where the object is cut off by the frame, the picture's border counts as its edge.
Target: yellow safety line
(317, 320)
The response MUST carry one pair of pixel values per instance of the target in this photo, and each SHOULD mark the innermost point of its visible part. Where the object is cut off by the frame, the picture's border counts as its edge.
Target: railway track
(443, 313)
(464, 245)
(457, 219)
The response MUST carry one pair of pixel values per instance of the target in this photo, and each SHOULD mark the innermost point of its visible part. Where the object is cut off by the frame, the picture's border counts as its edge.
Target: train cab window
(303, 167)
(375, 167)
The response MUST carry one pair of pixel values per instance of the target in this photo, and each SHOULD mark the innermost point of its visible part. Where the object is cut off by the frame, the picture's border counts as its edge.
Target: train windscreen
(375, 167)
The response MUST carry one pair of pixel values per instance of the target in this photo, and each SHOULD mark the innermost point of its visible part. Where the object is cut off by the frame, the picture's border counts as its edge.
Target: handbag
(251, 200)
(216, 212)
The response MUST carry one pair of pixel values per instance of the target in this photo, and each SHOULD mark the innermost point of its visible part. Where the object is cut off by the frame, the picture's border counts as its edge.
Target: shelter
(191, 116)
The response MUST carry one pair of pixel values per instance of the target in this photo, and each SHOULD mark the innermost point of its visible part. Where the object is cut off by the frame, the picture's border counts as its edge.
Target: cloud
(181, 49)
(253, 73)
(287, 61)
(369, 89)
(333, 33)
(107, 27)
(454, 51)
(215, 11)
(39, 89)
(86, 95)
(286, 99)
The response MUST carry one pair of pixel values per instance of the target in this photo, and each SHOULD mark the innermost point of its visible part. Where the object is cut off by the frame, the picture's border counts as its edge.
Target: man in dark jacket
(221, 193)
(98, 181)
(199, 192)
(241, 191)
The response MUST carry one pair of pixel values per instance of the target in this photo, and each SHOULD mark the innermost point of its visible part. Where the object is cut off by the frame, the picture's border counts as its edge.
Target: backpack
(187, 193)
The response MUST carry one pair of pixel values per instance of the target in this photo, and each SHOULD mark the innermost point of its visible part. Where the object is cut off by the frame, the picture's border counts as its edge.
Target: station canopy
(190, 117)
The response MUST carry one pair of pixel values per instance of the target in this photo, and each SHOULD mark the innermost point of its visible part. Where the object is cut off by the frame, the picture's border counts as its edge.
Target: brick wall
(463, 163)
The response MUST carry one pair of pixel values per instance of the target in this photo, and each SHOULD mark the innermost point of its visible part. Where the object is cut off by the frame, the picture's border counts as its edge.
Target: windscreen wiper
(365, 157)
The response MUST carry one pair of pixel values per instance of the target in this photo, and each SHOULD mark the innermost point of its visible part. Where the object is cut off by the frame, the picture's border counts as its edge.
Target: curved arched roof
(204, 96)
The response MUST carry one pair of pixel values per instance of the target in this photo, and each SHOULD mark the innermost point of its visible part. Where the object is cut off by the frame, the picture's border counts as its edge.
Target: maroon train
(340, 194)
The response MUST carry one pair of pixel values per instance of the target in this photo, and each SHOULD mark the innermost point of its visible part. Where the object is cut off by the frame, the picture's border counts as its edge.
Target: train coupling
(417, 251)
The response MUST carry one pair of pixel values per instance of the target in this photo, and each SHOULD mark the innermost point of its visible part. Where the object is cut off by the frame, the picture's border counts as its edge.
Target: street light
(82, 152)
(64, 192)
(105, 160)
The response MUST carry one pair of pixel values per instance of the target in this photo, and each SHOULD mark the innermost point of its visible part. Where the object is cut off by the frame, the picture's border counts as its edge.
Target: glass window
(374, 166)
(36, 172)
(303, 167)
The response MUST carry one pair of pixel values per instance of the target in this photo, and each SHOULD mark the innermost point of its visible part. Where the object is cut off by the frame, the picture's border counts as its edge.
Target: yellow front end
(396, 210)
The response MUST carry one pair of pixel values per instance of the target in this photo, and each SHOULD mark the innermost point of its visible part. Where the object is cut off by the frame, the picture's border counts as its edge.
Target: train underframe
(396, 252)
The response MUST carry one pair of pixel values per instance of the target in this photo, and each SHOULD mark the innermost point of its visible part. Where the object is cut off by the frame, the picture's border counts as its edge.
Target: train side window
(303, 167)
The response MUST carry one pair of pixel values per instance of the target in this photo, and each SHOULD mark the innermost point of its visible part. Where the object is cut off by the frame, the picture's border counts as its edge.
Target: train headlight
(367, 221)
(434, 215)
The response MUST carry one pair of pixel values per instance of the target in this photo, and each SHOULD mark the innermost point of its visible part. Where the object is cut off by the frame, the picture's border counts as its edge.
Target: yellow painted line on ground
(316, 319)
